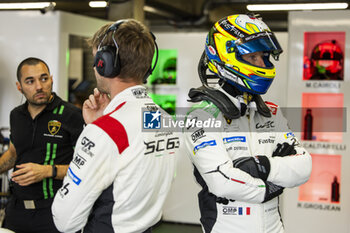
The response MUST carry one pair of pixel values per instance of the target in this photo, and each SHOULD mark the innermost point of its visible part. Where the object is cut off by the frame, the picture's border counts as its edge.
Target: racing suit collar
(237, 99)
(122, 97)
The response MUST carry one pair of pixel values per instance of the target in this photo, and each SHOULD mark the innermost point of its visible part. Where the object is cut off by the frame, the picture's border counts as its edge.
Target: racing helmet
(237, 35)
(327, 58)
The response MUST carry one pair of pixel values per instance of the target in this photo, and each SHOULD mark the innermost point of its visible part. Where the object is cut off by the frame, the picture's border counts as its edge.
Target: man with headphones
(120, 174)
(44, 131)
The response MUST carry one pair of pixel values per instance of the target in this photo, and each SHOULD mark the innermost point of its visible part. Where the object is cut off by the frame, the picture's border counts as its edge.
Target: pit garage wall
(32, 34)
(182, 204)
(310, 208)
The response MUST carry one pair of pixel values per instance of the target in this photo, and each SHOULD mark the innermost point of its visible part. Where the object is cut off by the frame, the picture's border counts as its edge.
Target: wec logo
(267, 125)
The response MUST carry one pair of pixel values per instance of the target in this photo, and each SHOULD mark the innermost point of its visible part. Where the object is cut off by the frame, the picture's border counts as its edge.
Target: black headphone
(107, 61)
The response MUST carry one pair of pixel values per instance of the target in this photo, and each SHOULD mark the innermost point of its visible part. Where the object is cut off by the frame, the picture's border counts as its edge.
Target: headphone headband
(151, 69)
(115, 26)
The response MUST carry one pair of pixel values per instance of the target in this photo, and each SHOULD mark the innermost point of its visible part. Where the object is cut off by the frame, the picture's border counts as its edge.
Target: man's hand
(94, 106)
(284, 149)
(29, 173)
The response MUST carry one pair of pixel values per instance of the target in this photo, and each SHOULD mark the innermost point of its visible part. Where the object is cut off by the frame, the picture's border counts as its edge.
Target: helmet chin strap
(245, 100)
(247, 97)
(243, 97)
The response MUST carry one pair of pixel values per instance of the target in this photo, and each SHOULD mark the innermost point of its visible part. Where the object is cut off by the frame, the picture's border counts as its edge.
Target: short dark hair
(136, 47)
(31, 61)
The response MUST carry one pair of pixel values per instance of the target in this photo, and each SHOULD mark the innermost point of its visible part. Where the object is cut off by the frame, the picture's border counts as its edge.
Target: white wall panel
(24, 34)
(320, 215)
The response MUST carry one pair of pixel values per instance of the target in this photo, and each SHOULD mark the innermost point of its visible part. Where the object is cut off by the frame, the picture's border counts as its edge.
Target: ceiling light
(25, 5)
(290, 7)
(98, 4)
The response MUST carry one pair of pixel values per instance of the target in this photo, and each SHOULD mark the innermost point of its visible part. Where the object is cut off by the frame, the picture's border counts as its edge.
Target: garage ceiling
(167, 15)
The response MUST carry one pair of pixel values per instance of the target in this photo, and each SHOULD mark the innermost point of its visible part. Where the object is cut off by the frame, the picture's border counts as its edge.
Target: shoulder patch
(273, 107)
(114, 129)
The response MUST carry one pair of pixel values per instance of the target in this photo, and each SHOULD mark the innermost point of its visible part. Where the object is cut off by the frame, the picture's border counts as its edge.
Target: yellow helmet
(237, 35)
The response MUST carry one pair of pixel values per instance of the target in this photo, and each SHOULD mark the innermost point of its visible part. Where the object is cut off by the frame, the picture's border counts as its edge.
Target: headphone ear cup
(107, 62)
(99, 63)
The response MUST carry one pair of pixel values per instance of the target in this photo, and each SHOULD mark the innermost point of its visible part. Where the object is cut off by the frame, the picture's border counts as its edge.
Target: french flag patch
(241, 211)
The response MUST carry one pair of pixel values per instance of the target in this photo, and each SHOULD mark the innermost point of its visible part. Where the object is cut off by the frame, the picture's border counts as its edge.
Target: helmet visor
(263, 41)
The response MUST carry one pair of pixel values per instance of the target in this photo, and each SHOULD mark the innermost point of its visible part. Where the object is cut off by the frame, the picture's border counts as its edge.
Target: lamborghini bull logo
(54, 126)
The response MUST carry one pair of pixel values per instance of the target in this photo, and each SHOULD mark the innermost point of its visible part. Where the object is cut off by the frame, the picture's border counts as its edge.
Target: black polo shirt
(48, 139)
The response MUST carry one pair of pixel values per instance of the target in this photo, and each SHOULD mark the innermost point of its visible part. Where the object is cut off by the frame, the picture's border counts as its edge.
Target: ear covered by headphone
(107, 61)
(107, 58)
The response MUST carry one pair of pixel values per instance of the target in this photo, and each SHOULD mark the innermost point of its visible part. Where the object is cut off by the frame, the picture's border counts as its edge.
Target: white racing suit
(231, 200)
(120, 175)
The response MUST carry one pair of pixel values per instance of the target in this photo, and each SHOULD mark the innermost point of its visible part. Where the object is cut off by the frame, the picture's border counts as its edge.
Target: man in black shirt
(44, 131)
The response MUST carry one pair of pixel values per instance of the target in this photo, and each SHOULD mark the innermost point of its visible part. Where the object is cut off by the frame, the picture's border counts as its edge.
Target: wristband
(54, 171)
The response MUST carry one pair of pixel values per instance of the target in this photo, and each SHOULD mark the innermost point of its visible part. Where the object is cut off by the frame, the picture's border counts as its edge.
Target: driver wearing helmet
(243, 165)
